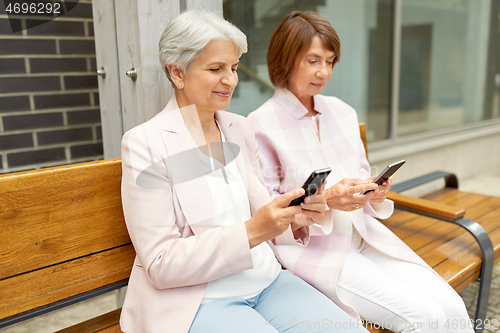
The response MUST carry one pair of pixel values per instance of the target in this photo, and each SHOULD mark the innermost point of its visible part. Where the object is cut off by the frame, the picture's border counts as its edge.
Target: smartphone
(312, 184)
(386, 173)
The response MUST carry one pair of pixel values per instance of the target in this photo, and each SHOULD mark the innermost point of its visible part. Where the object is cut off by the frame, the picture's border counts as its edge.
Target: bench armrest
(450, 179)
(426, 206)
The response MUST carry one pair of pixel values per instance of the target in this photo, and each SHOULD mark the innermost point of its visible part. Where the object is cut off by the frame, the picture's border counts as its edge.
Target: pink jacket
(178, 251)
(289, 151)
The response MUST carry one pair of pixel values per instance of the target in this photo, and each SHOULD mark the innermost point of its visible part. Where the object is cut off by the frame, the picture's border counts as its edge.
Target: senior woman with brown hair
(351, 257)
(202, 223)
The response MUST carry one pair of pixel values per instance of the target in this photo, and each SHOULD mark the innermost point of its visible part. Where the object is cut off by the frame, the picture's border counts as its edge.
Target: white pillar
(127, 33)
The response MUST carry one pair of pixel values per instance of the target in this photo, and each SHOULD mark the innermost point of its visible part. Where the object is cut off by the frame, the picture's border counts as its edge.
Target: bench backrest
(62, 235)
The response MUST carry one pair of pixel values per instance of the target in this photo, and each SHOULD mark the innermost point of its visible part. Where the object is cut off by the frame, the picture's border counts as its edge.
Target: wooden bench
(64, 239)
(455, 232)
(443, 237)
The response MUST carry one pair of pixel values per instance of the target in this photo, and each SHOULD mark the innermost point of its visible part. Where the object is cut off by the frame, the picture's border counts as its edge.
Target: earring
(180, 85)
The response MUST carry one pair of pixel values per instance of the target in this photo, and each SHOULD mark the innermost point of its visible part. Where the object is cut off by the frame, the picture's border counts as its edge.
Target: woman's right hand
(346, 194)
(273, 219)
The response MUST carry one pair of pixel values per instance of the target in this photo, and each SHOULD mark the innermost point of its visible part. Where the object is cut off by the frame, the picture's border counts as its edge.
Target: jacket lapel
(236, 142)
(257, 193)
(185, 170)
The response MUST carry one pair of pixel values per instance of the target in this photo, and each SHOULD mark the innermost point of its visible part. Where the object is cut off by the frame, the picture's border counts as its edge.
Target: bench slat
(449, 249)
(112, 329)
(461, 243)
(108, 322)
(42, 287)
(440, 244)
(441, 232)
(43, 224)
(441, 256)
(422, 231)
(454, 197)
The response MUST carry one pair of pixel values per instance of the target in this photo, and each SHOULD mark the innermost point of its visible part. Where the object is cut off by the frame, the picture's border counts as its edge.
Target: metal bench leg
(488, 256)
(475, 229)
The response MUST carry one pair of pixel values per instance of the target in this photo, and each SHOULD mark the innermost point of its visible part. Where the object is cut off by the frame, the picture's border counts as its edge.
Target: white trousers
(398, 295)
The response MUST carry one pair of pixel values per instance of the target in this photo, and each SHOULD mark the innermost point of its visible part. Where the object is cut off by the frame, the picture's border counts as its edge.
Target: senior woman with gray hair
(202, 223)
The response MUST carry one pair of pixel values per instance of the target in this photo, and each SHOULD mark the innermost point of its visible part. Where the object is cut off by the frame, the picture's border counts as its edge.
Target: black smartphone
(312, 184)
(386, 173)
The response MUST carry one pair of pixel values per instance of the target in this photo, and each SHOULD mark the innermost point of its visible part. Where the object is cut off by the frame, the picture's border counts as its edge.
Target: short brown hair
(292, 38)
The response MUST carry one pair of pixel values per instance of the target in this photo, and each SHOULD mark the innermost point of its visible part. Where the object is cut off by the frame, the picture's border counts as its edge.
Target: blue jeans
(288, 305)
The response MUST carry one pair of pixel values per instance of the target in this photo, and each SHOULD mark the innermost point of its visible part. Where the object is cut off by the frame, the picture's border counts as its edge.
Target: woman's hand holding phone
(273, 219)
(313, 209)
(381, 191)
(346, 194)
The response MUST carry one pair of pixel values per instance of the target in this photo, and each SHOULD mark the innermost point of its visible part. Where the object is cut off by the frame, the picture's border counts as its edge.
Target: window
(444, 56)
(445, 73)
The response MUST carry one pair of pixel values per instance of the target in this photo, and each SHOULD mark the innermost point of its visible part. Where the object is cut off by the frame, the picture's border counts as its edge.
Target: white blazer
(170, 224)
(289, 151)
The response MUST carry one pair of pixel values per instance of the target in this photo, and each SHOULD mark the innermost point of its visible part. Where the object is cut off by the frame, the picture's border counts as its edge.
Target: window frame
(395, 145)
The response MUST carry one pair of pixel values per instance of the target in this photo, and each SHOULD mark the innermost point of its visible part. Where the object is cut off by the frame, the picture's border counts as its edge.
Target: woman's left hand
(381, 191)
(313, 209)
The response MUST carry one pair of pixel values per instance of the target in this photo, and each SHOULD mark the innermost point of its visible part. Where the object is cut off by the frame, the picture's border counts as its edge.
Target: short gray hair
(187, 34)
